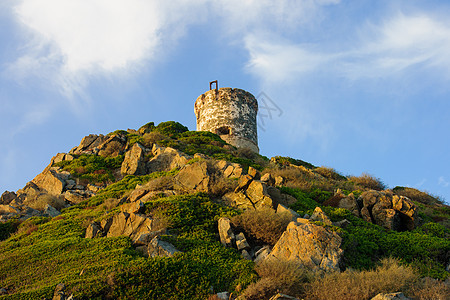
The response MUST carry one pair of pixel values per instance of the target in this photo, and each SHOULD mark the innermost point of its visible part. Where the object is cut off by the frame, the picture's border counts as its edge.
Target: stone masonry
(231, 114)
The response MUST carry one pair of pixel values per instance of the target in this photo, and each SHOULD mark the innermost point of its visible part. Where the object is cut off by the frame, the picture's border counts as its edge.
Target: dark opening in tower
(224, 130)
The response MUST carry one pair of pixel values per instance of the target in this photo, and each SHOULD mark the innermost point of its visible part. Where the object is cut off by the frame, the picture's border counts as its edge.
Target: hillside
(166, 213)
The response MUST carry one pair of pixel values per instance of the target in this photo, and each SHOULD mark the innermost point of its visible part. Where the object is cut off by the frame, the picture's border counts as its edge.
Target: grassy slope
(44, 252)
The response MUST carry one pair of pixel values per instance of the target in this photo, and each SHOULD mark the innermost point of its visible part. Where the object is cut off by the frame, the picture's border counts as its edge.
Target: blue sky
(359, 86)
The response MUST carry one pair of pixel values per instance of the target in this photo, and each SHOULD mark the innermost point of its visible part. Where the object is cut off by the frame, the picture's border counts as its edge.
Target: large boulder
(258, 194)
(113, 146)
(89, 143)
(158, 247)
(253, 194)
(314, 246)
(8, 209)
(51, 181)
(193, 177)
(388, 210)
(390, 296)
(128, 224)
(7, 197)
(166, 159)
(319, 215)
(226, 234)
(134, 161)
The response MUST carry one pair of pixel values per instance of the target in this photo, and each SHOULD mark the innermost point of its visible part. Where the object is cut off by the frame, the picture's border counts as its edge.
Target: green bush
(94, 168)
(118, 189)
(365, 243)
(285, 161)
(304, 202)
(8, 228)
(171, 128)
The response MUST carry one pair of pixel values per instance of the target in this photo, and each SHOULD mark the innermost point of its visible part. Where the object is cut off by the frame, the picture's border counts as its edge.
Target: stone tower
(231, 114)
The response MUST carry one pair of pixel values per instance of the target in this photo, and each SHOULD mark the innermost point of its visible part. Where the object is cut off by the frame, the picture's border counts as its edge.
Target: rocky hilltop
(166, 213)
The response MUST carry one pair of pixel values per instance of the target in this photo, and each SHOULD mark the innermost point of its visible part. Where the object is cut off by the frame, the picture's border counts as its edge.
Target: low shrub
(304, 202)
(263, 225)
(153, 137)
(389, 277)
(8, 228)
(171, 129)
(365, 243)
(329, 173)
(286, 161)
(221, 185)
(120, 188)
(283, 276)
(93, 168)
(416, 195)
(368, 182)
(432, 289)
(41, 202)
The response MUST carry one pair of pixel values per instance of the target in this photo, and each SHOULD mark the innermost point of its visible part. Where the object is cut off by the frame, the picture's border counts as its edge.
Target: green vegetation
(285, 161)
(120, 188)
(39, 253)
(365, 244)
(7, 228)
(33, 261)
(93, 168)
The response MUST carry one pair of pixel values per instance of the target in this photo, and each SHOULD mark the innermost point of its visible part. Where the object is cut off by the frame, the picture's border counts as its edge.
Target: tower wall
(231, 114)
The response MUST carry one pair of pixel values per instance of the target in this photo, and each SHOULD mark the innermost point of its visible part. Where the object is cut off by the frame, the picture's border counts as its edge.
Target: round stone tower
(231, 114)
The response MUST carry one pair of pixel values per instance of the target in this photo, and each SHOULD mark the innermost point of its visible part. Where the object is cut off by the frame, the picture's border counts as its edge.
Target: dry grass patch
(152, 138)
(368, 181)
(263, 225)
(160, 184)
(329, 173)
(416, 195)
(41, 201)
(220, 186)
(431, 289)
(284, 276)
(389, 277)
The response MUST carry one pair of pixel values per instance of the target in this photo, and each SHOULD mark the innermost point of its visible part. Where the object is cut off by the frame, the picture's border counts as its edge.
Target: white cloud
(380, 51)
(443, 182)
(71, 41)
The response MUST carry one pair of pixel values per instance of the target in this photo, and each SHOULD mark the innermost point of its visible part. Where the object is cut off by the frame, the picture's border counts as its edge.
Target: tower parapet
(231, 114)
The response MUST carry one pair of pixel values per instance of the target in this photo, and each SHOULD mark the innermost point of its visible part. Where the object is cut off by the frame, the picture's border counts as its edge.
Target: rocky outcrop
(7, 197)
(280, 296)
(109, 145)
(166, 159)
(388, 210)
(134, 162)
(226, 234)
(391, 296)
(281, 209)
(132, 225)
(319, 215)
(255, 196)
(89, 144)
(136, 226)
(193, 177)
(314, 246)
(158, 247)
(51, 180)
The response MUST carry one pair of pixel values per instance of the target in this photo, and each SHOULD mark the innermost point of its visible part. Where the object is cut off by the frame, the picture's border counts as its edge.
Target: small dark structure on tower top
(229, 113)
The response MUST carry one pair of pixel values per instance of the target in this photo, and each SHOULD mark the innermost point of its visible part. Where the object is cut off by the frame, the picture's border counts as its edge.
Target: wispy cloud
(443, 182)
(69, 41)
(382, 50)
